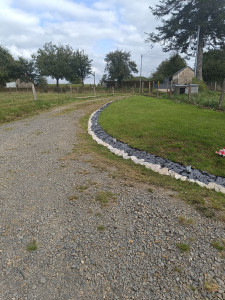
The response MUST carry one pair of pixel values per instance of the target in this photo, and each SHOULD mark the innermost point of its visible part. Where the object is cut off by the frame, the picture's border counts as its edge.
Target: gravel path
(126, 249)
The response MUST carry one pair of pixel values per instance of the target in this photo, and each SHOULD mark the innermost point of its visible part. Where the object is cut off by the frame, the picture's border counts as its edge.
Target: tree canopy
(119, 66)
(168, 67)
(59, 62)
(179, 29)
(214, 65)
(80, 67)
(53, 60)
(8, 66)
(27, 70)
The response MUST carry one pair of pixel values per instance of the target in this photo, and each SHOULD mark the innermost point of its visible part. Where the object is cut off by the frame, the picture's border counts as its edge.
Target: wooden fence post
(170, 89)
(158, 89)
(71, 91)
(149, 87)
(222, 95)
(189, 92)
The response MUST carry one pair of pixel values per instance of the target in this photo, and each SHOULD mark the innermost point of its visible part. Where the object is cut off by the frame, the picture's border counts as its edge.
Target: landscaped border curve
(150, 161)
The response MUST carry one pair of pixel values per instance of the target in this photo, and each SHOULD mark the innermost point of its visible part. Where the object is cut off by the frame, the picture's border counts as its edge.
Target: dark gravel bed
(178, 168)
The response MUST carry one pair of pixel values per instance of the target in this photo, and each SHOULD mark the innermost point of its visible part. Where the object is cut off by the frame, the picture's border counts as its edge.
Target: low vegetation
(185, 221)
(183, 247)
(104, 197)
(177, 131)
(220, 246)
(32, 246)
(17, 105)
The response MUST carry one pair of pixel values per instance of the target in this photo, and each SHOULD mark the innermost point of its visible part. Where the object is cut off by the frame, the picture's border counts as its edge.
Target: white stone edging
(154, 167)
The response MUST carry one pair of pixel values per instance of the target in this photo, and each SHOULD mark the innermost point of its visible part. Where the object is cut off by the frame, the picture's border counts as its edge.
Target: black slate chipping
(178, 168)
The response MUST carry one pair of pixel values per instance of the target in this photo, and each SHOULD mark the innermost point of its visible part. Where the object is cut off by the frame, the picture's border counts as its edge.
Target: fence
(215, 86)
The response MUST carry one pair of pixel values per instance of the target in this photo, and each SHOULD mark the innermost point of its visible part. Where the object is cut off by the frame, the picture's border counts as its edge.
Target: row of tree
(62, 62)
(56, 61)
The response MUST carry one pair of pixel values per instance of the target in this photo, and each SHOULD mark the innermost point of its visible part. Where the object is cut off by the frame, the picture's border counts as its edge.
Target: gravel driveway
(127, 249)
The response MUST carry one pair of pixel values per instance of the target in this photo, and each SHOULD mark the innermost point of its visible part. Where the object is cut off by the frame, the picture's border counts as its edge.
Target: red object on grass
(221, 152)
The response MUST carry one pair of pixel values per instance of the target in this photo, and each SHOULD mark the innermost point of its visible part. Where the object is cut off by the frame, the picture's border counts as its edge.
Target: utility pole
(196, 56)
(141, 72)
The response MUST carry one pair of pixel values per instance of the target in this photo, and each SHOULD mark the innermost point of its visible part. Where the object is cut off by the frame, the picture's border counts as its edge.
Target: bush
(202, 84)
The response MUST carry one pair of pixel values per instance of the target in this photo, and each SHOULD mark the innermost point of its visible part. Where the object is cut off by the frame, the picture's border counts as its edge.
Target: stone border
(150, 161)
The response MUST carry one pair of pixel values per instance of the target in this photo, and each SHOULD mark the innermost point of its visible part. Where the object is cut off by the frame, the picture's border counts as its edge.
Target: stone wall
(185, 76)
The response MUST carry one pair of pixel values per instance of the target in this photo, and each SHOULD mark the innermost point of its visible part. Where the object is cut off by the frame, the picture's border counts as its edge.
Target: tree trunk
(57, 82)
(222, 95)
(200, 58)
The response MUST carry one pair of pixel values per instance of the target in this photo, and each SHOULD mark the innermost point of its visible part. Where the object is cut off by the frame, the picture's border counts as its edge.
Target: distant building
(183, 76)
(184, 88)
(23, 85)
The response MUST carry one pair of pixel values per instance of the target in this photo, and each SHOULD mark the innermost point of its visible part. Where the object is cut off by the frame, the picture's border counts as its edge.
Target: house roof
(182, 70)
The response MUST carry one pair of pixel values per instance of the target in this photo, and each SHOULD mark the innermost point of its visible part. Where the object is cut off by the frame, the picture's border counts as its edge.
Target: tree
(8, 66)
(27, 70)
(119, 66)
(179, 29)
(168, 67)
(80, 67)
(214, 65)
(54, 61)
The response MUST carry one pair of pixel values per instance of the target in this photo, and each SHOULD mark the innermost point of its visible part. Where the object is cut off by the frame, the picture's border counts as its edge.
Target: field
(16, 105)
(177, 131)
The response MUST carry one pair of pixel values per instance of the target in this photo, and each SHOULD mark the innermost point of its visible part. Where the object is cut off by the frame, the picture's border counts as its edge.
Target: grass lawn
(20, 104)
(177, 131)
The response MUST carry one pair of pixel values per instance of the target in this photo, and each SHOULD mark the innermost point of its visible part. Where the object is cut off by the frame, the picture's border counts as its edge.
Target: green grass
(17, 105)
(177, 131)
(218, 245)
(206, 98)
(32, 246)
(101, 228)
(104, 197)
(183, 247)
(185, 221)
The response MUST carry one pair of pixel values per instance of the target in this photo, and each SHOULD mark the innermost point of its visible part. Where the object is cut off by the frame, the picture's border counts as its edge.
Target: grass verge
(208, 202)
(18, 105)
(177, 131)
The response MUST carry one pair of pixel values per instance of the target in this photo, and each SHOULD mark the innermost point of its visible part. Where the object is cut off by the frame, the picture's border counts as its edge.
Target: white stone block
(183, 178)
(211, 186)
(217, 187)
(178, 176)
(200, 183)
(222, 190)
(191, 180)
(156, 168)
(164, 171)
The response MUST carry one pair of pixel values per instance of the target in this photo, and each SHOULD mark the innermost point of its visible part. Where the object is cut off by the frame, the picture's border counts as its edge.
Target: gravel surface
(82, 249)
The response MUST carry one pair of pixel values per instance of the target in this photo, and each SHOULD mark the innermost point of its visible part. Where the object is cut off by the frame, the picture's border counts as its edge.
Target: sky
(95, 26)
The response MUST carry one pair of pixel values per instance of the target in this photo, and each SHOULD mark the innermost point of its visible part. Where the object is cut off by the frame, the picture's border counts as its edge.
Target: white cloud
(95, 26)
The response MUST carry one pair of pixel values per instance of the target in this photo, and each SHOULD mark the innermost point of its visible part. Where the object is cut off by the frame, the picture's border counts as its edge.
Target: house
(23, 85)
(183, 76)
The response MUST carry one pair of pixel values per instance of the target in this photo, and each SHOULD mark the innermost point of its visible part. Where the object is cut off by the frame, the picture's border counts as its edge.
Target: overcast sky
(98, 27)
